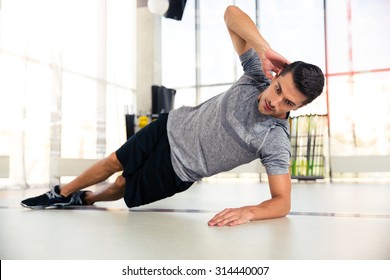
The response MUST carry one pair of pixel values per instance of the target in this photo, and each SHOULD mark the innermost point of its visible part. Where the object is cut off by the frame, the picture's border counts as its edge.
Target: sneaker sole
(33, 207)
(59, 204)
(37, 207)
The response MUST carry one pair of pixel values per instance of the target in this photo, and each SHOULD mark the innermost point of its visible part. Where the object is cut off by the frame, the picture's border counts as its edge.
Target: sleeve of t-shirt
(275, 154)
(252, 67)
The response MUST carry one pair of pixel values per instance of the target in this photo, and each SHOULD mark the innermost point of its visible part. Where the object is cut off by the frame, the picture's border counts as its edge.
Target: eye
(277, 89)
(289, 103)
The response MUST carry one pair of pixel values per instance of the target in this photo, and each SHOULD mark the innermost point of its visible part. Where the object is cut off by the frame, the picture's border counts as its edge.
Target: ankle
(88, 198)
(63, 192)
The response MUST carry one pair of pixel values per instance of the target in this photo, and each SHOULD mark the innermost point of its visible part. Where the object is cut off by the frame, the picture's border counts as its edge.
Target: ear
(278, 73)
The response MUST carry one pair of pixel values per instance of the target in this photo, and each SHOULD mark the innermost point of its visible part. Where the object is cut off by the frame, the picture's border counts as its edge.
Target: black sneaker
(78, 198)
(50, 198)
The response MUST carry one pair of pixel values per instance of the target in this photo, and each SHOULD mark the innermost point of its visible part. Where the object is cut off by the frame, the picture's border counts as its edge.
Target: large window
(67, 71)
(359, 76)
(351, 48)
(179, 55)
(208, 54)
(66, 79)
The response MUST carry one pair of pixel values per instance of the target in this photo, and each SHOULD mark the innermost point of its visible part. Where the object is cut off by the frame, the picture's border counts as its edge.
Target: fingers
(273, 62)
(269, 69)
(269, 75)
(229, 217)
(219, 218)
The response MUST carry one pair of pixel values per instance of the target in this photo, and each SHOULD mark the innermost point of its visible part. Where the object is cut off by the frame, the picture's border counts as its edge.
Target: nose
(275, 101)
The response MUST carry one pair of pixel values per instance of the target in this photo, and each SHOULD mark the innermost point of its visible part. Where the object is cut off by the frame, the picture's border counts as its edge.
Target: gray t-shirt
(228, 130)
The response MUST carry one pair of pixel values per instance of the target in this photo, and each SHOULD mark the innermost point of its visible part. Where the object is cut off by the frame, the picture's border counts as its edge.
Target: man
(248, 121)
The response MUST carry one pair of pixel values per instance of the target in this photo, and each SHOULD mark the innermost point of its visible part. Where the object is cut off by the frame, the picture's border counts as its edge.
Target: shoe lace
(52, 194)
(76, 199)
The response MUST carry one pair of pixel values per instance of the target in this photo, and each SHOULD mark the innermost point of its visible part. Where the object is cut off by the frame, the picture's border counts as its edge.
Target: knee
(113, 162)
(120, 181)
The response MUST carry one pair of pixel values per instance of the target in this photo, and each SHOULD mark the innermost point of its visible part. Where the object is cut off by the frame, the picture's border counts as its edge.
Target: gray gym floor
(327, 222)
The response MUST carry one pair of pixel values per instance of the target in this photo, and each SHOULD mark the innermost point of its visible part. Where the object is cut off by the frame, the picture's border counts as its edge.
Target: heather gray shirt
(228, 130)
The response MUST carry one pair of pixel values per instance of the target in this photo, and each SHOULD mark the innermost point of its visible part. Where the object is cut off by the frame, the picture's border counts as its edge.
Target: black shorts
(146, 158)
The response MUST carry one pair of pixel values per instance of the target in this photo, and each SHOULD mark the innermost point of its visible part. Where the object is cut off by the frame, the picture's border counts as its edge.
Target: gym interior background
(69, 75)
(71, 70)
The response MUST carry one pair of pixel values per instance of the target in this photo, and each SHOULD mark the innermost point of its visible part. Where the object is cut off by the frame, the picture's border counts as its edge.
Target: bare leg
(111, 192)
(97, 173)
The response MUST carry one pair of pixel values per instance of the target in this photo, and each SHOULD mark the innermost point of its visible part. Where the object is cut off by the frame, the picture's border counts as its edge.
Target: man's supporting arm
(278, 206)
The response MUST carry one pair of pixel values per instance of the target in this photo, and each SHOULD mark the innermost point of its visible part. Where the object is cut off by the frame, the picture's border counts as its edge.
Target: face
(280, 97)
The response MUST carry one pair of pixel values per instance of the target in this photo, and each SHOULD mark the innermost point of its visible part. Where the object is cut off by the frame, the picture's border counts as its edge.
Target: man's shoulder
(252, 67)
(278, 137)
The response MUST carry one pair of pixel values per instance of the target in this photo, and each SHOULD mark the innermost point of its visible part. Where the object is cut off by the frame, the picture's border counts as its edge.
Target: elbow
(281, 213)
(285, 210)
(230, 10)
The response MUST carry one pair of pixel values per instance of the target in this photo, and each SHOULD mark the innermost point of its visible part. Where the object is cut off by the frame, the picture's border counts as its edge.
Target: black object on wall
(130, 125)
(176, 9)
(162, 99)
(162, 102)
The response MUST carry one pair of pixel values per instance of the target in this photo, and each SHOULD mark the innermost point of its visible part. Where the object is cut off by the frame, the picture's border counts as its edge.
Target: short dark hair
(308, 79)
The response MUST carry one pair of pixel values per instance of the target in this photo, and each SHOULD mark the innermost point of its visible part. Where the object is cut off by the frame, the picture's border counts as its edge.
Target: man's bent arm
(245, 35)
(276, 207)
(243, 32)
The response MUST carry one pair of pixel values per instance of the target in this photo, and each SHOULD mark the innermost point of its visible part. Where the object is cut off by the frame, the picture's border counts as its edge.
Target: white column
(101, 83)
(148, 57)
